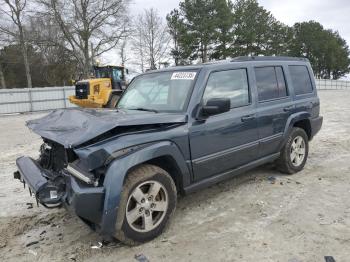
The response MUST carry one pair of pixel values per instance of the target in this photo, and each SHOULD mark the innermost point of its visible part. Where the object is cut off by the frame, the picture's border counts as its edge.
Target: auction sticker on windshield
(183, 76)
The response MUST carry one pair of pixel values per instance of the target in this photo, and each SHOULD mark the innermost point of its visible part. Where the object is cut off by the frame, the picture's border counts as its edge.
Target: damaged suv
(174, 131)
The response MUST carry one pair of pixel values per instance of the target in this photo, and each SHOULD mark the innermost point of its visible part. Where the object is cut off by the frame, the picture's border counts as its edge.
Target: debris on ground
(32, 252)
(99, 245)
(29, 205)
(42, 233)
(3, 243)
(141, 258)
(272, 179)
(329, 259)
(32, 243)
(72, 257)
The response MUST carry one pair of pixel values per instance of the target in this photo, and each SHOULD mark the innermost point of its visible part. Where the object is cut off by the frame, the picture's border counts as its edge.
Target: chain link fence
(326, 84)
(22, 100)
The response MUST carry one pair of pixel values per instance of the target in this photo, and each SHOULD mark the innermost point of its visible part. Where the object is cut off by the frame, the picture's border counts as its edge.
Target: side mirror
(216, 106)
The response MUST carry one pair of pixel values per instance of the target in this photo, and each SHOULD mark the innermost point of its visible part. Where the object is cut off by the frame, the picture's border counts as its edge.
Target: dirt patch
(259, 216)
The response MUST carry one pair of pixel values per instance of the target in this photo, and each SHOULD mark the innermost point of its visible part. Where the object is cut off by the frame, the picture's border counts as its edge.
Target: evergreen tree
(256, 31)
(181, 48)
(224, 19)
(199, 22)
(327, 51)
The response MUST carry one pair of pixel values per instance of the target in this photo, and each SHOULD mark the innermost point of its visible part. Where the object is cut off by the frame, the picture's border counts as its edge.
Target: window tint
(270, 82)
(231, 84)
(300, 79)
(282, 87)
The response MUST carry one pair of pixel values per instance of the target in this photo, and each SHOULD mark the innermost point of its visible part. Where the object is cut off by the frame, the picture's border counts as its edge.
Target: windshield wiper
(144, 109)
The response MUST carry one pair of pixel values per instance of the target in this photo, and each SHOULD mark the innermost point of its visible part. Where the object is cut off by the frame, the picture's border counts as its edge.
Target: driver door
(228, 140)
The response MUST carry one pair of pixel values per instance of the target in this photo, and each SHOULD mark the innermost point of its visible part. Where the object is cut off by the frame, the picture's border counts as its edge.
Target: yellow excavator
(103, 90)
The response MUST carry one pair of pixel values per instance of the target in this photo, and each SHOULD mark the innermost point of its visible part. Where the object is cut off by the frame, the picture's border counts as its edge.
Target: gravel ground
(303, 217)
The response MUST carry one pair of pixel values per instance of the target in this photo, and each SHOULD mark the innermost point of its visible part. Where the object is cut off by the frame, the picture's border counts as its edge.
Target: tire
(158, 207)
(290, 160)
(112, 102)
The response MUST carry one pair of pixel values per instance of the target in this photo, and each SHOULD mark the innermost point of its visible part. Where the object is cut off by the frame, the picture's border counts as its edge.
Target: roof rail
(268, 58)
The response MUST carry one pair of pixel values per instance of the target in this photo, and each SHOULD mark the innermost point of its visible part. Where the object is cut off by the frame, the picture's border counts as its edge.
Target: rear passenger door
(275, 105)
(225, 141)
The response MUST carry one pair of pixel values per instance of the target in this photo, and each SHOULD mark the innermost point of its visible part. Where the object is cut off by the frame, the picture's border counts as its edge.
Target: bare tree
(89, 27)
(2, 77)
(151, 40)
(138, 47)
(14, 11)
(123, 52)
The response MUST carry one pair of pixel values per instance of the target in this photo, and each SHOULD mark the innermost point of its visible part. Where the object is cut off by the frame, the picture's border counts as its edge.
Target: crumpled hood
(72, 127)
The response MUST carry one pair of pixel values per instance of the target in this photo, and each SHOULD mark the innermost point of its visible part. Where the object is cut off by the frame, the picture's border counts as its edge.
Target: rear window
(300, 79)
(270, 82)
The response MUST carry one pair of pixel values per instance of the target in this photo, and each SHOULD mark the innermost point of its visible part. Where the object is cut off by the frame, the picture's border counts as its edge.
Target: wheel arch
(305, 125)
(301, 120)
(164, 154)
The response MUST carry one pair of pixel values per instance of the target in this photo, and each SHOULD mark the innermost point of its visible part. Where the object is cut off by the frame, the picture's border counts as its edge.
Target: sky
(332, 14)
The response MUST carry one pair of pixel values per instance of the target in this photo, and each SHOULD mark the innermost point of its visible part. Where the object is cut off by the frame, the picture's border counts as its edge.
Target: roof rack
(268, 58)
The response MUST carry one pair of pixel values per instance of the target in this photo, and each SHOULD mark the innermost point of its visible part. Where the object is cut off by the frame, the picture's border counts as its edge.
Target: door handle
(247, 118)
(288, 108)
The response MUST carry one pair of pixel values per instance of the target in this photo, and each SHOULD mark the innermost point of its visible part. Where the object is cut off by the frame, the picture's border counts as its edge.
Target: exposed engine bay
(56, 165)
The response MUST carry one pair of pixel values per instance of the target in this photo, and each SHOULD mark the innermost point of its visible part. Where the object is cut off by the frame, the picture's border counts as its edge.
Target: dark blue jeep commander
(174, 130)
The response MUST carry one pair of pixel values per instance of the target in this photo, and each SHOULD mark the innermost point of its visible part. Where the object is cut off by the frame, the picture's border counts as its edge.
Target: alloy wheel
(147, 206)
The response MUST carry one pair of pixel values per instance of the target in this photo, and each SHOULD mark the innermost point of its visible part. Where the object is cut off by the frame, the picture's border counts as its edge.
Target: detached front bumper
(54, 191)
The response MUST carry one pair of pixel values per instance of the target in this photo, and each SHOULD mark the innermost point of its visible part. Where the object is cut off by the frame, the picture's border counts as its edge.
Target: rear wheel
(294, 153)
(147, 202)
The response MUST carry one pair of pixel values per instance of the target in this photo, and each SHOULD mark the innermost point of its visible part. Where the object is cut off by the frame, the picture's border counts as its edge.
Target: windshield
(163, 91)
(107, 72)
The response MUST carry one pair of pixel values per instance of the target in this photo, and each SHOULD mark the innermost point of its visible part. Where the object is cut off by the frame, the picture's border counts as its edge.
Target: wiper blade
(144, 109)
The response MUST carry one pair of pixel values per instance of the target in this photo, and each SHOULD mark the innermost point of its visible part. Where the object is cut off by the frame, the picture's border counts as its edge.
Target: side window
(231, 84)
(300, 79)
(270, 82)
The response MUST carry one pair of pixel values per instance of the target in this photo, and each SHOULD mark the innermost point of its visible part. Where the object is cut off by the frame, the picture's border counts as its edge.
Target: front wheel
(294, 153)
(147, 202)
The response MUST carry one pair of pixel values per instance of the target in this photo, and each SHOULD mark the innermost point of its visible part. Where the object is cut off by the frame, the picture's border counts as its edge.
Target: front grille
(82, 90)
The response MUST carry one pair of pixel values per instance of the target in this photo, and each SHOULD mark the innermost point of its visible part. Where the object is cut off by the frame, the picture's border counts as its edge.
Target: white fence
(48, 98)
(34, 99)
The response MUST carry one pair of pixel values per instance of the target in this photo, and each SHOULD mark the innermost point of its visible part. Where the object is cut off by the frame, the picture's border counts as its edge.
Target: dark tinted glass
(231, 84)
(300, 79)
(270, 82)
(266, 83)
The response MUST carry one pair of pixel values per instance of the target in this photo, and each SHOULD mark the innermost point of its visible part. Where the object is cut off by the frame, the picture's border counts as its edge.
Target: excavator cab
(102, 90)
(115, 73)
